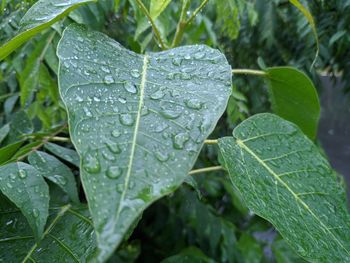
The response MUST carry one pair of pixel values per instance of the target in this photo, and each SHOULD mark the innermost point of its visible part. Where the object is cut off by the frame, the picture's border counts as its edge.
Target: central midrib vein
(137, 124)
(245, 147)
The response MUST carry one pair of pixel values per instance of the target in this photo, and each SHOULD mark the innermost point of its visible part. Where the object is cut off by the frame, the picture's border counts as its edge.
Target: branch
(211, 141)
(154, 27)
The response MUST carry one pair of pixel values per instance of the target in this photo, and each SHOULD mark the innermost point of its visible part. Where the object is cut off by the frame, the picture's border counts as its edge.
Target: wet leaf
(69, 236)
(23, 185)
(56, 171)
(137, 121)
(284, 179)
(41, 15)
(66, 154)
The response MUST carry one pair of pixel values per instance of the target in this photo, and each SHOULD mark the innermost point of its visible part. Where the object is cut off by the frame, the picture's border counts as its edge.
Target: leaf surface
(69, 236)
(157, 7)
(284, 179)
(23, 185)
(68, 155)
(138, 122)
(56, 171)
(41, 15)
(294, 98)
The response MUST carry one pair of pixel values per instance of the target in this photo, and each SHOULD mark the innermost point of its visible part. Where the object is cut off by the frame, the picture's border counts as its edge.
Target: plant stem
(154, 27)
(206, 170)
(58, 139)
(197, 11)
(180, 30)
(249, 72)
(211, 141)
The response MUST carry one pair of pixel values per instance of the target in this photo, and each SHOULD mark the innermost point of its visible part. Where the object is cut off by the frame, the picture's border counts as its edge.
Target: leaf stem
(249, 72)
(154, 27)
(211, 141)
(58, 139)
(206, 170)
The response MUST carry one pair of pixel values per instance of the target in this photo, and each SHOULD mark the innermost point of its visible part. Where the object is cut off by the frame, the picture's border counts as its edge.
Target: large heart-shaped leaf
(284, 179)
(23, 185)
(41, 15)
(69, 236)
(137, 121)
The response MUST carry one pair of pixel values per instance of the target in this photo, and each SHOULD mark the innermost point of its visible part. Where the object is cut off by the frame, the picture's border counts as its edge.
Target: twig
(206, 170)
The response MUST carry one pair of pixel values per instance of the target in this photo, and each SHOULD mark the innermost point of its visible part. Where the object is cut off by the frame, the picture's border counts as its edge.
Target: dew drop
(114, 172)
(135, 73)
(35, 212)
(162, 157)
(107, 155)
(129, 87)
(114, 148)
(144, 110)
(22, 174)
(157, 95)
(194, 104)
(90, 163)
(177, 61)
(170, 114)
(116, 133)
(180, 140)
(108, 79)
(122, 100)
(131, 185)
(9, 185)
(59, 179)
(199, 55)
(126, 119)
(105, 69)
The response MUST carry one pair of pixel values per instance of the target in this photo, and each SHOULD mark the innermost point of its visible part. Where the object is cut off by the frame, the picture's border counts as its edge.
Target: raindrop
(60, 179)
(105, 69)
(114, 172)
(114, 148)
(90, 163)
(22, 174)
(122, 100)
(199, 55)
(170, 114)
(130, 87)
(177, 61)
(87, 112)
(157, 95)
(107, 155)
(161, 127)
(131, 185)
(9, 185)
(180, 140)
(35, 212)
(144, 110)
(126, 119)
(162, 157)
(116, 133)
(135, 73)
(80, 39)
(108, 79)
(194, 104)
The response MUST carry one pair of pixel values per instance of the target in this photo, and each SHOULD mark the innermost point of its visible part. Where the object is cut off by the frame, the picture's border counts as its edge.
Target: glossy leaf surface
(294, 98)
(284, 179)
(56, 171)
(157, 7)
(41, 15)
(25, 187)
(69, 236)
(137, 121)
(66, 154)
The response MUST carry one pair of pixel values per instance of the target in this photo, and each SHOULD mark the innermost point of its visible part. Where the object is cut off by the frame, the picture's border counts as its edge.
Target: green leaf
(157, 7)
(294, 98)
(41, 15)
(57, 172)
(68, 155)
(69, 236)
(284, 179)
(189, 255)
(137, 121)
(4, 131)
(8, 151)
(20, 125)
(311, 21)
(23, 185)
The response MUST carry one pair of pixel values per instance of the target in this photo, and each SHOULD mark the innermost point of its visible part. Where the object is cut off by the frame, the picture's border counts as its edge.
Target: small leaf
(41, 15)
(69, 236)
(189, 255)
(4, 131)
(8, 151)
(157, 7)
(20, 125)
(68, 155)
(55, 171)
(24, 186)
(311, 21)
(137, 121)
(284, 179)
(294, 98)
